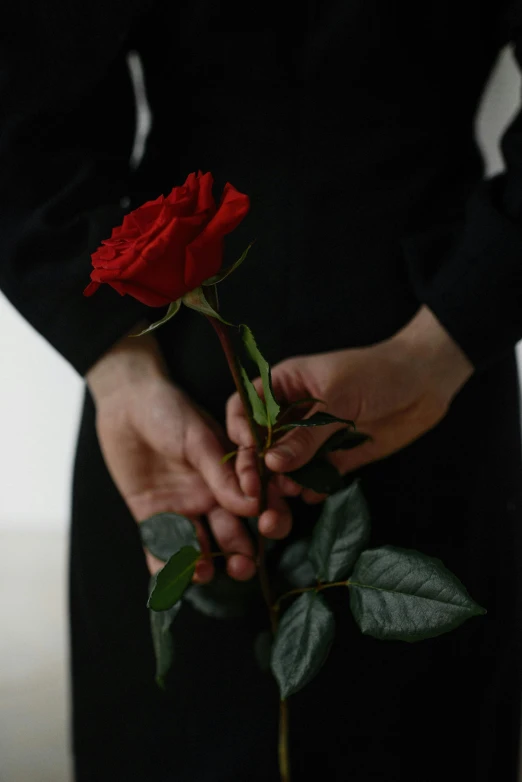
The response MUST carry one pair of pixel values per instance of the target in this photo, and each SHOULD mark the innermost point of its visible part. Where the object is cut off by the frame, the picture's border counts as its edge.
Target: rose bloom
(169, 246)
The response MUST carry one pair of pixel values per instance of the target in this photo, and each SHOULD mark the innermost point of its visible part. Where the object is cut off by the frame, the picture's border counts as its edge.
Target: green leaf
(340, 534)
(222, 598)
(317, 419)
(173, 579)
(271, 404)
(172, 310)
(309, 400)
(224, 274)
(228, 456)
(302, 642)
(198, 300)
(400, 594)
(160, 624)
(295, 564)
(256, 403)
(166, 533)
(319, 475)
(343, 440)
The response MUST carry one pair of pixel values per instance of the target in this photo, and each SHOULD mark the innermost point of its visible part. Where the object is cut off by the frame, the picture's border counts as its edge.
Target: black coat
(350, 125)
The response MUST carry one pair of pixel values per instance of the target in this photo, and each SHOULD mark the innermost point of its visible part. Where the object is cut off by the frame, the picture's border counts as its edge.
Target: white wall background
(39, 410)
(40, 394)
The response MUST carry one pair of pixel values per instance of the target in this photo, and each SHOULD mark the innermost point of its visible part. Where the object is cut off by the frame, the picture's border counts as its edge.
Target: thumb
(297, 448)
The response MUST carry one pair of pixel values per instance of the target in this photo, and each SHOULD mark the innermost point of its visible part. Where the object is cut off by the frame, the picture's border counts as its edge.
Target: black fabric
(350, 125)
(67, 120)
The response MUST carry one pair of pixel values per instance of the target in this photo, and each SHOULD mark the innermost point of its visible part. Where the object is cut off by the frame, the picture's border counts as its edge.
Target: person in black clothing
(383, 260)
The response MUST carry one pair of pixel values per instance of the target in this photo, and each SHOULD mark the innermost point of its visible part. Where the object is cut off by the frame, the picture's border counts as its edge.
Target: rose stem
(284, 758)
(226, 343)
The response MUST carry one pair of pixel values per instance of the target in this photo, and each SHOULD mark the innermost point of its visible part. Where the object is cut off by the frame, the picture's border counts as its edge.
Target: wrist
(128, 362)
(438, 359)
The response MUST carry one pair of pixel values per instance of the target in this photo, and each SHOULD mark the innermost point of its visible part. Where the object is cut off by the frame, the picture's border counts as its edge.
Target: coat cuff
(470, 275)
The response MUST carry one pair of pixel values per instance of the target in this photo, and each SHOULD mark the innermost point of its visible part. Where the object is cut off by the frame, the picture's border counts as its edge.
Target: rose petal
(103, 255)
(146, 296)
(171, 245)
(202, 261)
(206, 201)
(183, 200)
(159, 263)
(205, 253)
(91, 288)
(144, 217)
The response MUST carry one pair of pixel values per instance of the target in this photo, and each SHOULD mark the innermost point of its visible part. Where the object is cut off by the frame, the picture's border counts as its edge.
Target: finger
(297, 447)
(276, 521)
(205, 454)
(287, 386)
(247, 472)
(293, 449)
(204, 572)
(205, 569)
(240, 568)
(287, 487)
(312, 497)
(238, 428)
(234, 541)
(388, 435)
(347, 461)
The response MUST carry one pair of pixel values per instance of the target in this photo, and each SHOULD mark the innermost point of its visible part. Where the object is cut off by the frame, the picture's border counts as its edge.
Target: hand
(395, 391)
(164, 453)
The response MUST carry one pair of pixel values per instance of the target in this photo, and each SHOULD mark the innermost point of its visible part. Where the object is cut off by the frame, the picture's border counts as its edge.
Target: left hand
(395, 391)
(164, 453)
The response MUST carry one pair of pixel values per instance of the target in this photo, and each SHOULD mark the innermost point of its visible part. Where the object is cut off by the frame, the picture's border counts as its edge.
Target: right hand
(163, 453)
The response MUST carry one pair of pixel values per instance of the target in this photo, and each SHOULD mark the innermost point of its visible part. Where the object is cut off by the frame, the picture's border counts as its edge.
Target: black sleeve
(67, 120)
(470, 273)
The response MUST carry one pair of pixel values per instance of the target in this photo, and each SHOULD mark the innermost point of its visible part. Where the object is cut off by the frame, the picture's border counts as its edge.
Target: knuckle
(227, 533)
(227, 480)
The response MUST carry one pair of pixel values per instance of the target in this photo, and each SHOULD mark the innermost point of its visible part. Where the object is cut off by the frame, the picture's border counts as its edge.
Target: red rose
(169, 246)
